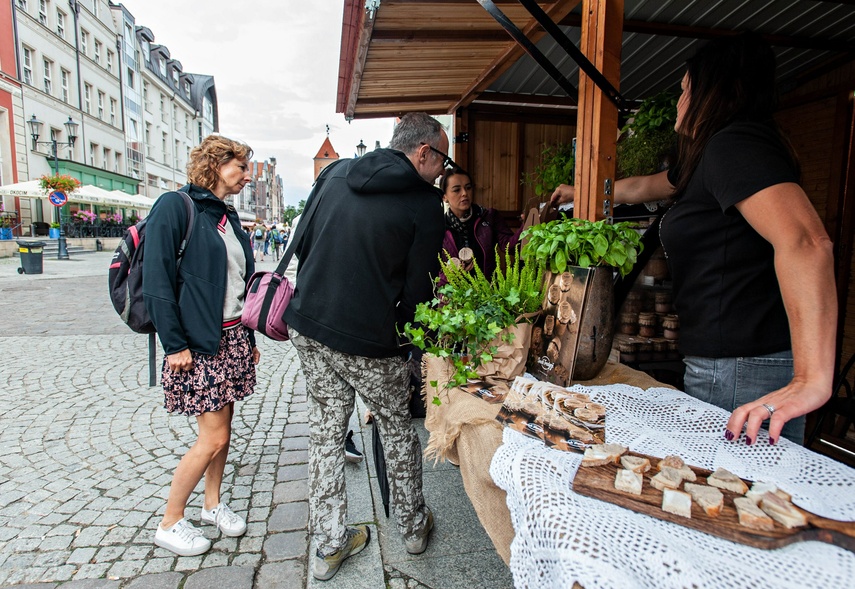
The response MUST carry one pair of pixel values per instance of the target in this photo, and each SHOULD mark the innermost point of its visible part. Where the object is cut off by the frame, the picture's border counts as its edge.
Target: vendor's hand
(180, 361)
(794, 400)
(563, 194)
(256, 355)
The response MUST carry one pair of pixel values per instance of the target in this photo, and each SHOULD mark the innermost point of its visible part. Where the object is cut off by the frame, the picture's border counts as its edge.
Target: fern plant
(469, 313)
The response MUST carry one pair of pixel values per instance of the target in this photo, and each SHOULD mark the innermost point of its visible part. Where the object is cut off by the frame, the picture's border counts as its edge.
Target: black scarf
(462, 228)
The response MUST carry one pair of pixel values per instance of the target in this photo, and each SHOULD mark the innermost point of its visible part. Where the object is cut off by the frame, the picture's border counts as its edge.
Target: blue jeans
(731, 382)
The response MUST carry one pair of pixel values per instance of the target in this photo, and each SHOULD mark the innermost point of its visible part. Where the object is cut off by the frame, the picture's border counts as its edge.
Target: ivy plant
(469, 313)
(577, 242)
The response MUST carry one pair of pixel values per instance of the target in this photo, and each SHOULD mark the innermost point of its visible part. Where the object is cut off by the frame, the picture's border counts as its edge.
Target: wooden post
(596, 131)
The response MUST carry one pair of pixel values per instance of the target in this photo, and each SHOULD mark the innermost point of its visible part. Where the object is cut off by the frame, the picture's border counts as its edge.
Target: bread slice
(671, 461)
(628, 481)
(724, 479)
(708, 498)
(783, 512)
(758, 489)
(556, 422)
(600, 454)
(752, 516)
(635, 463)
(676, 502)
(667, 478)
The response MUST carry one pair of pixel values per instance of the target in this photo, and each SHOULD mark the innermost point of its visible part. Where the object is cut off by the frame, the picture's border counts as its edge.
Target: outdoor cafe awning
(87, 194)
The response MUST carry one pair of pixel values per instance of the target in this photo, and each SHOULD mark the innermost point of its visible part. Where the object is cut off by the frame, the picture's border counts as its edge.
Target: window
(131, 82)
(186, 87)
(28, 66)
(63, 80)
(175, 77)
(117, 162)
(84, 41)
(161, 66)
(177, 151)
(105, 158)
(101, 105)
(87, 98)
(43, 12)
(162, 108)
(93, 149)
(152, 180)
(109, 61)
(112, 112)
(22, 4)
(95, 7)
(98, 46)
(148, 138)
(60, 23)
(146, 49)
(48, 66)
(145, 96)
(163, 149)
(187, 124)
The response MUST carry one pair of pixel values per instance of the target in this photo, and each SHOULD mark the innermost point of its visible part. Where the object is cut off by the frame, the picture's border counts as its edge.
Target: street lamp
(71, 131)
(360, 149)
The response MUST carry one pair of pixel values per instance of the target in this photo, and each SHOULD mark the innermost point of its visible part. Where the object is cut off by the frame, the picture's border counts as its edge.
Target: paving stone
(286, 545)
(295, 444)
(32, 586)
(294, 457)
(227, 577)
(294, 472)
(281, 575)
(169, 580)
(91, 584)
(291, 491)
(289, 516)
(126, 568)
(159, 565)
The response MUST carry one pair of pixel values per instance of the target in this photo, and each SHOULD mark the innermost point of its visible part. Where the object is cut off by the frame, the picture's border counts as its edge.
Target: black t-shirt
(725, 288)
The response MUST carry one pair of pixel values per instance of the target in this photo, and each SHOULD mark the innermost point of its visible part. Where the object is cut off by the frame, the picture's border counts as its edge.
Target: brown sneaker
(324, 568)
(418, 543)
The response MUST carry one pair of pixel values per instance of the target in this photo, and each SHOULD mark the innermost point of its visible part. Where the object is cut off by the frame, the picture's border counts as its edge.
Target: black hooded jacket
(368, 255)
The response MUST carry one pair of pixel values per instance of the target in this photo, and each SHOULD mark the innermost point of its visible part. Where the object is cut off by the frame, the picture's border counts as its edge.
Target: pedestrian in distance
(210, 356)
(751, 263)
(268, 239)
(259, 232)
(277, 242)
(365, 261)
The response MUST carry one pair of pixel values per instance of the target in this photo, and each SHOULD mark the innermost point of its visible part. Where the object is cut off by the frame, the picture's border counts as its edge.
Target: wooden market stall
(454, 57)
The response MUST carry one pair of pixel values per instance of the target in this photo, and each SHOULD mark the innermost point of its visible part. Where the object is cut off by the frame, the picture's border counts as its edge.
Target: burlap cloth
(464, 429)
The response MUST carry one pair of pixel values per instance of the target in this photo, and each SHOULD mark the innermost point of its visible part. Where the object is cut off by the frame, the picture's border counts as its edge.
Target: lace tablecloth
(561, 537)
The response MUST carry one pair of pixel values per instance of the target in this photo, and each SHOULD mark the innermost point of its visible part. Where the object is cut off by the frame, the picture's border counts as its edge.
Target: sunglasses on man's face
(447, 162)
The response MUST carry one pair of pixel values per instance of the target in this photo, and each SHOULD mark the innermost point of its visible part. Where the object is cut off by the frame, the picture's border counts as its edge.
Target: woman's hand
(563, 194)
(180, 361)
(794, 400)
(256, 355)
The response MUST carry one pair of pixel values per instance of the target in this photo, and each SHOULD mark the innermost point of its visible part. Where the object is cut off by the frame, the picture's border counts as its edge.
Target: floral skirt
(215, 380)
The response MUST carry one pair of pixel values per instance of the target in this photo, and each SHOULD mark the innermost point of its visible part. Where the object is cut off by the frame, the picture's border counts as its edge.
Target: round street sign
(57, 198)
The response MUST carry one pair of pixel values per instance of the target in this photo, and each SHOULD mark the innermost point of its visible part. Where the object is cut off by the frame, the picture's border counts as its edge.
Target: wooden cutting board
(599, 482)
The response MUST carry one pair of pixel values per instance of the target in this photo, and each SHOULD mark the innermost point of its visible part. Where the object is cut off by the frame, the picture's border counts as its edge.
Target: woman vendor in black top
(751, 263)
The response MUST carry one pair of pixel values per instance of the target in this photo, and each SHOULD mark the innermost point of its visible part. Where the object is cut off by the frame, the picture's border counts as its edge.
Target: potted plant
(53, 231)
(597, 245)
(471, 317)
(59, 182)
(647, 139)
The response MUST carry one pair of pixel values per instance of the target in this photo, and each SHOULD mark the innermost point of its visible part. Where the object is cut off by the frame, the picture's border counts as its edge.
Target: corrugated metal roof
(435, 55)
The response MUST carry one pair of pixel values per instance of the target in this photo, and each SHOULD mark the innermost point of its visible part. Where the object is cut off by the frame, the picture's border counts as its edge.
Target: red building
(11, 108)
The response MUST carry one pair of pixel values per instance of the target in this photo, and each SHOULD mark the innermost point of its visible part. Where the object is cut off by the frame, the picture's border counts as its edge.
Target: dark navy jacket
(187, 307)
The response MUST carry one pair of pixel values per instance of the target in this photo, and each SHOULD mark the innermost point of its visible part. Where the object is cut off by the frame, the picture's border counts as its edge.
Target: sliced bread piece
(628, 481)
(676, 502)
(752, 516)
(671, 461)
(760, 488)
(635, 463)
(782, 511)
(708, 498)
(667, 478)
(724, 479)
(600, 454)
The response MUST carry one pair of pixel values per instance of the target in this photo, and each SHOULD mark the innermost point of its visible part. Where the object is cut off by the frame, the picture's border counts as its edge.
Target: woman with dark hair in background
(210, 356)
(751, 263)
(470, 225)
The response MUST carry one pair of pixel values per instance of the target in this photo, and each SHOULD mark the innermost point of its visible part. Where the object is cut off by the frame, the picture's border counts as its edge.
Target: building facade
(12, 139)
(261, 199)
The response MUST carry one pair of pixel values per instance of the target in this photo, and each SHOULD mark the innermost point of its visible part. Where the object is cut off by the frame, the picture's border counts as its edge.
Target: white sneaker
(183, 539)
(226, 520)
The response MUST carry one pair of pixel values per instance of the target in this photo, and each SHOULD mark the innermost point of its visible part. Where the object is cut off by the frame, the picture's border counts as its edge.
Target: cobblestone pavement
(87, 455)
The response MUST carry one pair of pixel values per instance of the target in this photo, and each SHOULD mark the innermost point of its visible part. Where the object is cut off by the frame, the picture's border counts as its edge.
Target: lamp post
(360, 149)
(70, 130)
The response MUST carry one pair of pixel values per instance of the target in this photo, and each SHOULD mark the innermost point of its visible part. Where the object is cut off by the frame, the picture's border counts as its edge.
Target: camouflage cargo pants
(332, 379)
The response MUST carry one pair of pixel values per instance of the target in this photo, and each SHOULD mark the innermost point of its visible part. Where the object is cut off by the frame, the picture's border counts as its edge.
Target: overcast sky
(275, 64)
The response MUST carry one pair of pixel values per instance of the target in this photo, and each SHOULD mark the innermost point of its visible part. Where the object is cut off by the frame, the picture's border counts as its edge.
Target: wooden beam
(437, 36)
(508, 57)
(526, 99)
(597, 124)
(696, 32)
(364, 29)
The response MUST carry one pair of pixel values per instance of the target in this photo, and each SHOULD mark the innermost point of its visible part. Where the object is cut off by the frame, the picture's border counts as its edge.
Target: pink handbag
(267, 297)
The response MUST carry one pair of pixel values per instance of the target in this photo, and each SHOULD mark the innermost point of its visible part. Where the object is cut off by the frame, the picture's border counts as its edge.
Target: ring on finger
(769, 408)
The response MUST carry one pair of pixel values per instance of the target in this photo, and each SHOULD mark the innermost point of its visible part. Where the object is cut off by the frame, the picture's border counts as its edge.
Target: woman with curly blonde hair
(195, 301)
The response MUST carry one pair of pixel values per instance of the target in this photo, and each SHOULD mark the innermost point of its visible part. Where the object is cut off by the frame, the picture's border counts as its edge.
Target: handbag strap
(308, 213)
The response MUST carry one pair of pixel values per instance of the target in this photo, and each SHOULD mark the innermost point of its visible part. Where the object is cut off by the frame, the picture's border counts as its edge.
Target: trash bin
(31, 256)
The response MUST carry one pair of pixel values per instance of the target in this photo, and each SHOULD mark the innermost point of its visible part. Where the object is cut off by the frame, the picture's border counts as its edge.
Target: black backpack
(125, 276)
